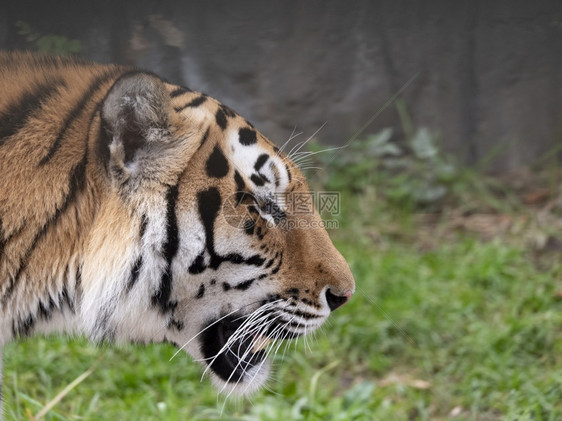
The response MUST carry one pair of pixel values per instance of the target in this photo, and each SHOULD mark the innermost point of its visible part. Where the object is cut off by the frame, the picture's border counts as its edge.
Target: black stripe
(22, 327)
(259, 180)
(288, 172)
(217, 165)
(270, 262)
(275, 173)
(252, 209)
(262, 159)
(76, 111)
(14, 117)
(276, 269)
(176, 324)
(204, 139)
(240, 188)
(76, 182)
(228, 111)
(201, 291)
(220, 117)
(135, 271)
(255, 260)
(102, 145)
(172, 241)
(209, 204)
(243, 286)
(247, 136)
(240, 185)
(194, 103)
(97, 111)
(101, 331)
(78, 284)
(65, 297)
(304, 315)
(249, 225)
(144, 222)
(45, 311)
(134, 275)
(162, 297)
(179, 91)
(14, 233)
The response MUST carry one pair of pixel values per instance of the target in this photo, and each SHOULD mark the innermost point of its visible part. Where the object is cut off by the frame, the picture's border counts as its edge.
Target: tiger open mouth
(231, 350)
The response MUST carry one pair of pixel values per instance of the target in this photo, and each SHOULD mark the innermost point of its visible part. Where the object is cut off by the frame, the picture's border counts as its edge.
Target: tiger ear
(135, 116)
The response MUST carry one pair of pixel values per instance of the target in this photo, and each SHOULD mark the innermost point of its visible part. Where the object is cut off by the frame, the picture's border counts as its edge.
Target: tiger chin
(136, 210)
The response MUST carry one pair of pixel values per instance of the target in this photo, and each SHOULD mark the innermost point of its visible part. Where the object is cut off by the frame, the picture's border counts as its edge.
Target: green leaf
(423, 144)
(358, 394)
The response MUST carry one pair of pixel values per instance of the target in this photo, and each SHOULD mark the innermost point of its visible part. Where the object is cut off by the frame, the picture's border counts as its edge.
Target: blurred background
(449, 119)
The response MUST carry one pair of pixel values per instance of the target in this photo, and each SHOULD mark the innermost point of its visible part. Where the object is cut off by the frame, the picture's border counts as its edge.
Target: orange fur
(112, 192)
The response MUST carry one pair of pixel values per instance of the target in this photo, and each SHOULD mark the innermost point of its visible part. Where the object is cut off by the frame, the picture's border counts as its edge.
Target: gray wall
(489, 72)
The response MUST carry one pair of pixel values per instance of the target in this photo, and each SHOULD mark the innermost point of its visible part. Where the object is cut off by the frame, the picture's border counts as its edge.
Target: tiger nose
(335, 300)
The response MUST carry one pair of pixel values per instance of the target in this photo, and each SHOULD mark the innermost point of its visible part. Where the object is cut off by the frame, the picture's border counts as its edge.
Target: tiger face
(186, 233)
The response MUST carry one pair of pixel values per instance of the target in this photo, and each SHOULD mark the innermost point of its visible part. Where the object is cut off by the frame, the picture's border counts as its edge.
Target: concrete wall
(489, 72)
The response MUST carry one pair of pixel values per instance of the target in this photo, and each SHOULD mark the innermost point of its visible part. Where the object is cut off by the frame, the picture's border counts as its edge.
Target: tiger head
(197, 241)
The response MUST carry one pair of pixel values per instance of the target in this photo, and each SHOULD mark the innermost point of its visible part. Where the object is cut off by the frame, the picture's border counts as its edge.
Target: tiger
(134, 210)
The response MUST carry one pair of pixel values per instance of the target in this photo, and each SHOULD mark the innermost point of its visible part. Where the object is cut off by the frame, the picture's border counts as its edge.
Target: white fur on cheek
(112, 251)
(244, 157)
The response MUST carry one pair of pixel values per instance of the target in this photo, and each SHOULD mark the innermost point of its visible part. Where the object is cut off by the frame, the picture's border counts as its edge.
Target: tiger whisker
(287, 345)
(287, 332)
(200, 332)
(233, 338)
(298, 162)
(241, 360)
(311, 153)
(278, 331)
(271, 303)
(266, 317)
(293, 136)
(304, 161)
(306, 340)
(212, 324)
(310, 168)
(259, 329)
(234, 335)
(307, 140)
(274, 334)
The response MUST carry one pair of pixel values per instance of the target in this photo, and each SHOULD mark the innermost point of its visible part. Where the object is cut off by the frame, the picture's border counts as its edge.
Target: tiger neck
(41, 282)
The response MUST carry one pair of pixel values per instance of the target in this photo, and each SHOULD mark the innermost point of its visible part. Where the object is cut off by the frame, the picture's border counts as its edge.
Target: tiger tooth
(260, 343)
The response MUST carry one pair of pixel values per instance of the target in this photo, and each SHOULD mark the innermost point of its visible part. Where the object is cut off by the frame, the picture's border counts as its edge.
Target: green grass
(444, 325)
(469, 325)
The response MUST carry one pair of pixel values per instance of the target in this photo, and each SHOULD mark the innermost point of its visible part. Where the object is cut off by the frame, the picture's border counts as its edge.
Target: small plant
(411, 172)
(50, 43)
